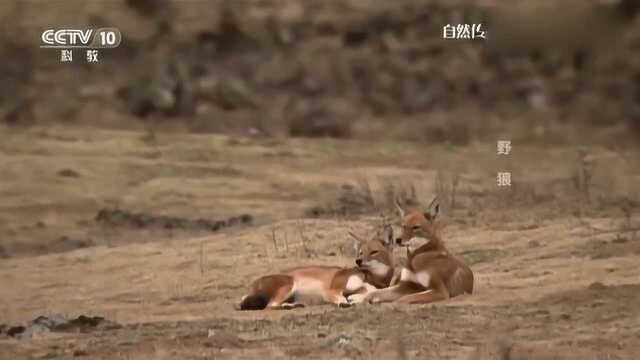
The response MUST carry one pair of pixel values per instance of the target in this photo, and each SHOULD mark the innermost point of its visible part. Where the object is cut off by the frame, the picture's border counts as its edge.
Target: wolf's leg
(437, 292)
(395, 279)
(289, 306)
(336, 297)
(281, 295)
(393, 293)
(362, 293)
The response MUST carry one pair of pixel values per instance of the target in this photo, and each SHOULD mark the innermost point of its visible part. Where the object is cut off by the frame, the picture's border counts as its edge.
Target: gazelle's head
(419, 226)
(375, 255)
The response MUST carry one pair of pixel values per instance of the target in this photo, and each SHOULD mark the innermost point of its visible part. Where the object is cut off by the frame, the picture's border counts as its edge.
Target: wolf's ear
(357, 242)
(355, 237)
(432, 213)
(387, 236)
(399, 208)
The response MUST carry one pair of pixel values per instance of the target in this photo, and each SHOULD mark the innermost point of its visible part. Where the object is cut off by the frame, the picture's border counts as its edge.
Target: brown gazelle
(431, 273)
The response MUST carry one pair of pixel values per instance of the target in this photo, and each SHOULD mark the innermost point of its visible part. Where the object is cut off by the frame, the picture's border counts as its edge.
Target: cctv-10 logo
(81, 38)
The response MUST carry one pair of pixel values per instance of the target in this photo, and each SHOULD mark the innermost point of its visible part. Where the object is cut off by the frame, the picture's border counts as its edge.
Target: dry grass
(525, 243)
(558, 247)
(364, 198)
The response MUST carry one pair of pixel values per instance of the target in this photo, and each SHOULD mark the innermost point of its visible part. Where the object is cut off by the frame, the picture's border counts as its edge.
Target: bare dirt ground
(161, 231)
(555, 261)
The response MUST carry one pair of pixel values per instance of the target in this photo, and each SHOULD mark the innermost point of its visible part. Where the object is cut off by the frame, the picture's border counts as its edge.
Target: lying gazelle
(431, 272)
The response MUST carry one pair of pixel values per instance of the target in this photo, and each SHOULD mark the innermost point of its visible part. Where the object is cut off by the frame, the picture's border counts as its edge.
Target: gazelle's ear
(387, 236)
(401, 211)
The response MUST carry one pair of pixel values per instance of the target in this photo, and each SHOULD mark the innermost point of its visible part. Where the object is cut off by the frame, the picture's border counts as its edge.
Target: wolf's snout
(359, 262)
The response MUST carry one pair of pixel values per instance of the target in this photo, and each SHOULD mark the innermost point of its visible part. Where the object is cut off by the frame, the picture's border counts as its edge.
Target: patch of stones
(121, 217)
(44, 324)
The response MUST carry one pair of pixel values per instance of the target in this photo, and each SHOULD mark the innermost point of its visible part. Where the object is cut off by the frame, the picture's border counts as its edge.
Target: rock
(533, 244)
(619, 240)
(86, 323)
(16, 330)
(47, 322)
(151, 8)
(78, 353)
(597, 286)
(325, 118)
(19, 112)
(168, 92)
(234, 93)
(446, 128)
(223, 339)
(46, 355)
(34, 329)
(120, 217)
(340, 341)
(68, 173)
(43, 324)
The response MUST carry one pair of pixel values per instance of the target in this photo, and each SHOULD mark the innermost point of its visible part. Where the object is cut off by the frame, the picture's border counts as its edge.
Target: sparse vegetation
(473, 257)
(201, 259)
(583, 176)
(360, 198)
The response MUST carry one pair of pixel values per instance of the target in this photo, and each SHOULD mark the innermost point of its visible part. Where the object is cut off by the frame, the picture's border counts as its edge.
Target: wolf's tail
(254, 302)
